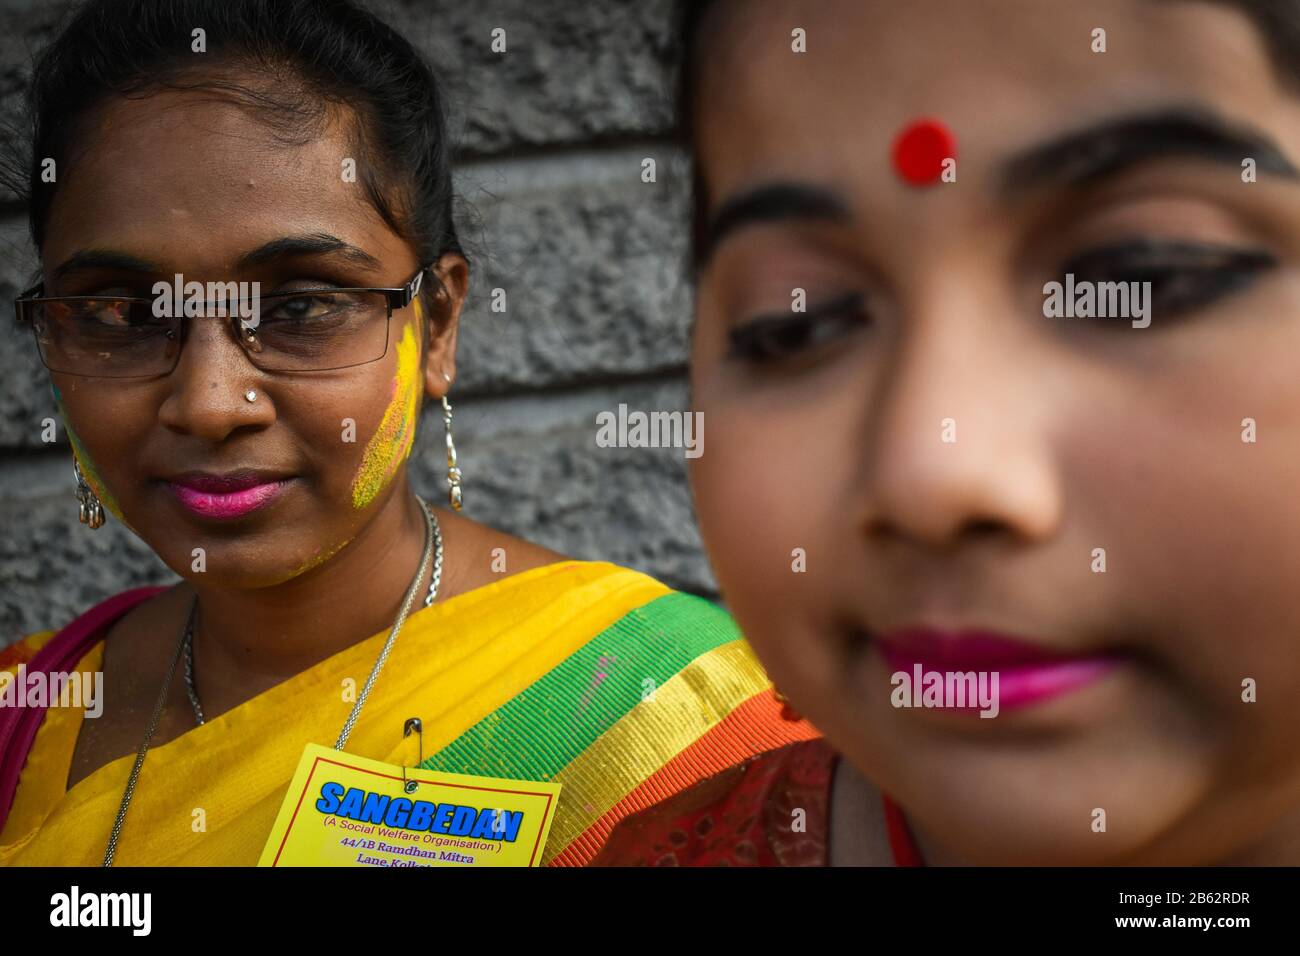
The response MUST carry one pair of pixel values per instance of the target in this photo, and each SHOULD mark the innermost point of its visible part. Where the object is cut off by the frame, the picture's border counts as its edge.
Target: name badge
(345, 810)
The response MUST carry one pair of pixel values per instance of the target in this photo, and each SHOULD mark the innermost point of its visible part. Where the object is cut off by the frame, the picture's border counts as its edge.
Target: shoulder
(641, 623)
(769, 810)
(96, 621)
(483, 555)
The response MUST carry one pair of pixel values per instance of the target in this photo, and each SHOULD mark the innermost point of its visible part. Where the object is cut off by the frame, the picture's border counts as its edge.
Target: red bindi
(921, 148)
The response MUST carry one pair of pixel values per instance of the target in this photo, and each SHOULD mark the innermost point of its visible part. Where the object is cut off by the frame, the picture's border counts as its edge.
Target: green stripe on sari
(565, 711)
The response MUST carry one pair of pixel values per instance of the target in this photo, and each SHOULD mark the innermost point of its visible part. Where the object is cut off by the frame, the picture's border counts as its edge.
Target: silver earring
(453, 470)
(89, 509)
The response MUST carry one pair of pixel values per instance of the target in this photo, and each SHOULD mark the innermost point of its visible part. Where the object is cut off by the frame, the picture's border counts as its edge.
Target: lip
(229, 495)
(1028, 674)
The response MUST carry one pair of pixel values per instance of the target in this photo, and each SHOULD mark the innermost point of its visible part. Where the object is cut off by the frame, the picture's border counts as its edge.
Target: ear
(445, 297)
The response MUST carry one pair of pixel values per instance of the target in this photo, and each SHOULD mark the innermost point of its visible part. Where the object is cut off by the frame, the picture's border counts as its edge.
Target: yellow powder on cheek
(392, 440)
(321, 555)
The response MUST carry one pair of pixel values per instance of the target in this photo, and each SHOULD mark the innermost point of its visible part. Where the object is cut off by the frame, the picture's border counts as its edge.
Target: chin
(1043, 833)
(1056, 813)
(1116, 796)
(242, 565)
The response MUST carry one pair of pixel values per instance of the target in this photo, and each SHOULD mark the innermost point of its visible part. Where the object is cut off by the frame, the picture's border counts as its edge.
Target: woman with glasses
(251, 288)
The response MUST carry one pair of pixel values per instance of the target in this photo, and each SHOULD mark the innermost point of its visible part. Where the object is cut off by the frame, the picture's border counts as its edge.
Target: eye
(1184, 276)
(312, 304)
(770, 339)
(297, 308)
(115, 313)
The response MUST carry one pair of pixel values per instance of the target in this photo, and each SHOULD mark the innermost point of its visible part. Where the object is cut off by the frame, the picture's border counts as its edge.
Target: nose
(208, 387)
(959, 431)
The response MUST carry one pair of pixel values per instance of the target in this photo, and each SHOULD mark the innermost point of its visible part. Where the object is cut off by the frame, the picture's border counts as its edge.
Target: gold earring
(453, 469)
(89, 508)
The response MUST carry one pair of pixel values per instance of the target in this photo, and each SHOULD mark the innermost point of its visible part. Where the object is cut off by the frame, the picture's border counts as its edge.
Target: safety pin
(413, 723)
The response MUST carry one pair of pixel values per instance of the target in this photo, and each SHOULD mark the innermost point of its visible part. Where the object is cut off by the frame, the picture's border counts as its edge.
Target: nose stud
(251, 395)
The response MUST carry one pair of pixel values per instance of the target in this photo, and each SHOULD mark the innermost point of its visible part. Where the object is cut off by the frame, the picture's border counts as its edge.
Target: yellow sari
(542, 675)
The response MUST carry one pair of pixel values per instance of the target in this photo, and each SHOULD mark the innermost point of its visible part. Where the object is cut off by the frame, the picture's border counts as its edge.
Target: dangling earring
(453, 470)
(89, 509)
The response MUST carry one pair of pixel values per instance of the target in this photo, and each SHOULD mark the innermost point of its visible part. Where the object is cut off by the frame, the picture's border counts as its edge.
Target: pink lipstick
(227, 496)
(1027, 674)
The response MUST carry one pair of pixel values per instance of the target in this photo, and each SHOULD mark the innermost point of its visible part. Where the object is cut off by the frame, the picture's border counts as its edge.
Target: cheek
(1217, 546)
(767, 516)
(392, 440)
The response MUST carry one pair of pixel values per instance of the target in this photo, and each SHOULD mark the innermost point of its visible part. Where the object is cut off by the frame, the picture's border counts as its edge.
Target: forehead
(1002, 74)
(194, 176)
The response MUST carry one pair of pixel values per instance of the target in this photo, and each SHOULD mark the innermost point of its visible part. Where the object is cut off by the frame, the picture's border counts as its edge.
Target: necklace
(432, 537)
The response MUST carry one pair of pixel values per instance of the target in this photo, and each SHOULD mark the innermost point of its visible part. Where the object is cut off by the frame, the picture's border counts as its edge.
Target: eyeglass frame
(395, 298)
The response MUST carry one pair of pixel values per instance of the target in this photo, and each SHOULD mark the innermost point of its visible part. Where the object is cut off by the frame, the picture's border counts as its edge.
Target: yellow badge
(345, 810)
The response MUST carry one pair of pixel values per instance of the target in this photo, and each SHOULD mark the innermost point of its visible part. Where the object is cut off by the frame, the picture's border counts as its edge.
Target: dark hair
(687, 17)
(312, 54)
(1277, 20)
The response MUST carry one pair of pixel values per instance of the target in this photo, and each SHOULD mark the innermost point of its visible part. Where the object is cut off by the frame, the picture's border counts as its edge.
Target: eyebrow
(313, 244)
(88, 259)
(286, 247)
(1084, 156)
(772, 202)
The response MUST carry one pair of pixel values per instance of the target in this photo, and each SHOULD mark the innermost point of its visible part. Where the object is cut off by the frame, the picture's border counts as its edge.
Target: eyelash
(1184, 276)
(759, 340)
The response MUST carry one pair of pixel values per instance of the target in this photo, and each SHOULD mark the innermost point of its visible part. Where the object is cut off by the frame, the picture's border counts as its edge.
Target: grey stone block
(25, 27)
(25, 398)
(591, 263)
(572, 72)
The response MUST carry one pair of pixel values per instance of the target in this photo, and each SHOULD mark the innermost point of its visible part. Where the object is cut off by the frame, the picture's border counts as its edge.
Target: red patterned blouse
(771, 810)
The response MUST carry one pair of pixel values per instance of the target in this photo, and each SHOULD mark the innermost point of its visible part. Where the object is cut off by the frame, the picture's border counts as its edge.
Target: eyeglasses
(306, 330)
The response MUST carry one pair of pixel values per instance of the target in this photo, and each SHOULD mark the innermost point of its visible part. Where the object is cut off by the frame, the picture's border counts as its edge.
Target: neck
(248, 640)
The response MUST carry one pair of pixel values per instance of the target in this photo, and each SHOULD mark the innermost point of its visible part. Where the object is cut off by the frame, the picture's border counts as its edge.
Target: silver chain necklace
(432, 548)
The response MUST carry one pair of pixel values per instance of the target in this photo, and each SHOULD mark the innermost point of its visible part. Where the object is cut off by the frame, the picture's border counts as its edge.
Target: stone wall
(552, 136)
